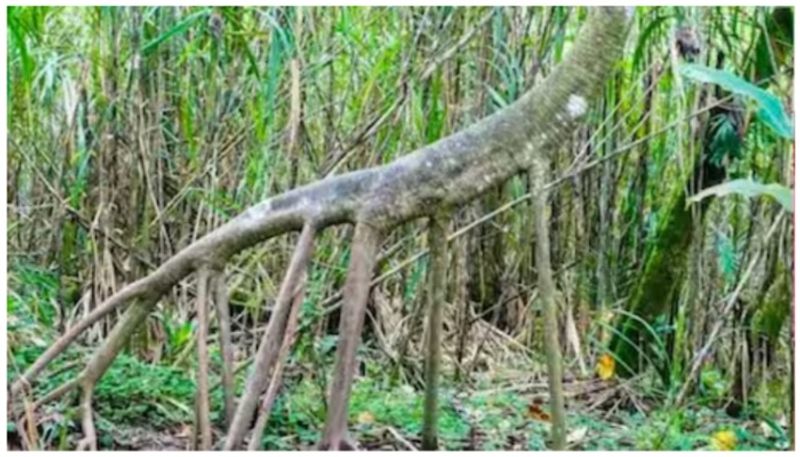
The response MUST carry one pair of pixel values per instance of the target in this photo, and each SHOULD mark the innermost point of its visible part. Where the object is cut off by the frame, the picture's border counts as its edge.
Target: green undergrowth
(485, 419)
(159, 398)
(139, 395)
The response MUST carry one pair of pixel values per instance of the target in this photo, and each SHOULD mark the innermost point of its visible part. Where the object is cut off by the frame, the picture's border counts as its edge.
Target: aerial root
(203, 415)
(131, 292)
(86, 379)
(437, 242)
(89, 441)
(101, 360)
(269, 349)
(225, 343)
(366, 242)
(275, 383)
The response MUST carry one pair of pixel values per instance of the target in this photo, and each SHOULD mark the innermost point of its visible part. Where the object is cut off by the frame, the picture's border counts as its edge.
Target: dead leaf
(535, 412)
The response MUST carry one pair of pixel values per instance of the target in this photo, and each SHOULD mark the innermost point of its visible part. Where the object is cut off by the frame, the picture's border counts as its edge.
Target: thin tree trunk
(664, 266)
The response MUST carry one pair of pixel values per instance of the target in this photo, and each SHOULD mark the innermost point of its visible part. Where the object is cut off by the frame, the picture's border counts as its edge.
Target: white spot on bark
(428, 164)
(629, 11)
(576, 106)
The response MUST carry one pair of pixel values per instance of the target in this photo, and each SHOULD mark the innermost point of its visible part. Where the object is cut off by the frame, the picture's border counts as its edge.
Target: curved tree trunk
(449, 172)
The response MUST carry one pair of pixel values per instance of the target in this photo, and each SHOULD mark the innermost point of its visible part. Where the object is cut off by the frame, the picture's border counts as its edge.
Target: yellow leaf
(365, 417)
(724, 440)
(605, 367)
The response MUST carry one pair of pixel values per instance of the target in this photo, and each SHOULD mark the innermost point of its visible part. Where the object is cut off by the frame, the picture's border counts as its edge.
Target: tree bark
(275, 383)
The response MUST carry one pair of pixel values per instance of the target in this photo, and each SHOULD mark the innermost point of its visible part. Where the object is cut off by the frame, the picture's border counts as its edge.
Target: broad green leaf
(749, 188)
(770, 108)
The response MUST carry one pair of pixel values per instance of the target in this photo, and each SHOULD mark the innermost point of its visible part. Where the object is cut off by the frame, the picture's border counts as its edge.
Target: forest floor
(146, 406)
(145, 401)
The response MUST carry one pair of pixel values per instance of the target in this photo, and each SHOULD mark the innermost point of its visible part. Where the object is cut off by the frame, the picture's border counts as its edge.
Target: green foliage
(726, 144)
(135, 392)
(25, 28)
(418, 270)
(178, 28)
(713, 385)
(770, 108)
(727, 258)
(37, 298)
(667, 430)
(179, 334)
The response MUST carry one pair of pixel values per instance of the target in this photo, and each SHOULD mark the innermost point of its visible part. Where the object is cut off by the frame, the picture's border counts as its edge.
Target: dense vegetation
(135, 131)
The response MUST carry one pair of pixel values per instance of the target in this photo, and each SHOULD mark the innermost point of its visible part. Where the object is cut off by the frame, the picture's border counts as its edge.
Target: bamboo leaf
(180, 27)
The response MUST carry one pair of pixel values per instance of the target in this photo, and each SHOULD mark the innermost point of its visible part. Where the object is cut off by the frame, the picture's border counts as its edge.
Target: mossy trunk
(664, 266)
